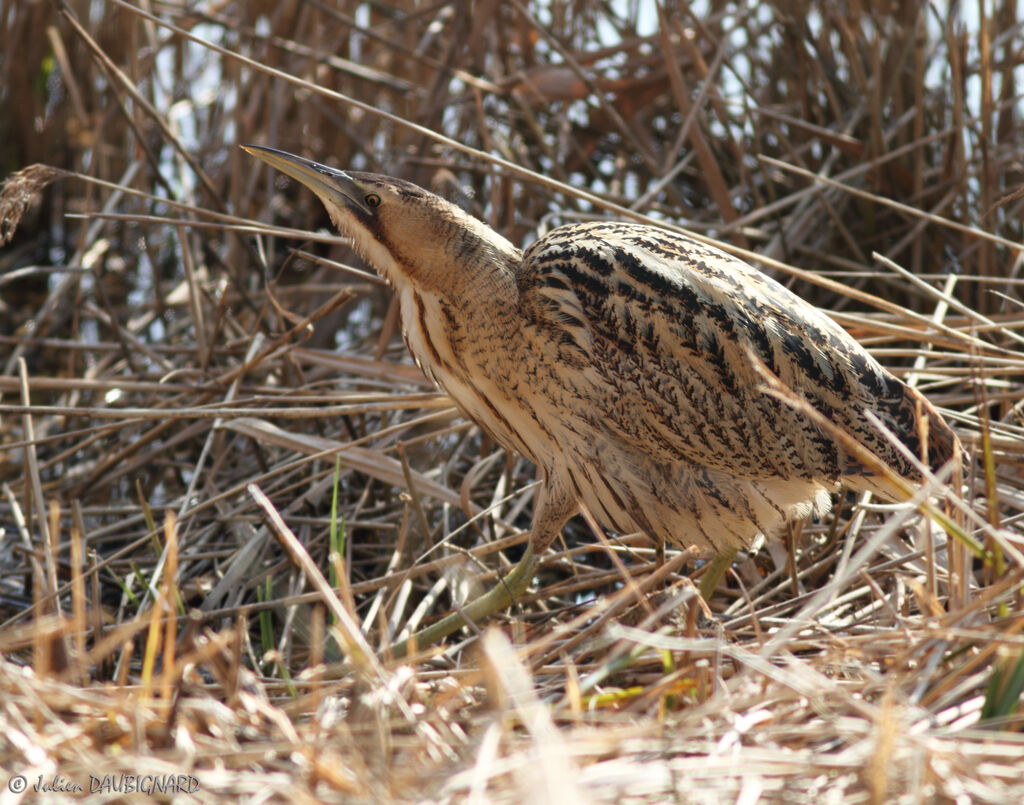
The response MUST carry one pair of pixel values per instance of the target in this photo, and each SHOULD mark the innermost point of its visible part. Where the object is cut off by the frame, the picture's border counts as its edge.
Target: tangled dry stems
(160, 357)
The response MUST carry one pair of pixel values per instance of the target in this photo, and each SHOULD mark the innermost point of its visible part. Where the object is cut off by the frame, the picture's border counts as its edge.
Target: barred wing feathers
(657, 331)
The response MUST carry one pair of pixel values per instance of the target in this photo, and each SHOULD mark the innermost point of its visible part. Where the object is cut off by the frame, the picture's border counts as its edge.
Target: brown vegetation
(191, 380)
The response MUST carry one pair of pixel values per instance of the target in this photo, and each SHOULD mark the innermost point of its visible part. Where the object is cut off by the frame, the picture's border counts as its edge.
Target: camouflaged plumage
(628, 363)
(660, 417)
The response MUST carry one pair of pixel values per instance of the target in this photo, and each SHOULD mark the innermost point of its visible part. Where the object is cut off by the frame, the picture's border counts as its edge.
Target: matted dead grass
(224, 489)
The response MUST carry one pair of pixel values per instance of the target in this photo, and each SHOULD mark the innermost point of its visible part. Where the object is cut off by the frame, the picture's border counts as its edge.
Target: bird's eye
(372, 200)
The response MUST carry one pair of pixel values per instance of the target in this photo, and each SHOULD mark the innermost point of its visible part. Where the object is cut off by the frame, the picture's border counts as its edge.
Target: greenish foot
(498, 598)
(716, 570)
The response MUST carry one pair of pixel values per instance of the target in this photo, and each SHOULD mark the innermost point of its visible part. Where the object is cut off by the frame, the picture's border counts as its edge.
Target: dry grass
(201, 414)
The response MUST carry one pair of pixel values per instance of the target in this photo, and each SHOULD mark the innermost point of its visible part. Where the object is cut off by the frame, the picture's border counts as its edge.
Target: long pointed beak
(333, 186)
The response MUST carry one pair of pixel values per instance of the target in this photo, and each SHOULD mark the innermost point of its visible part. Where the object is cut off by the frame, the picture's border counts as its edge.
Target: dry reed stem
(179, 329)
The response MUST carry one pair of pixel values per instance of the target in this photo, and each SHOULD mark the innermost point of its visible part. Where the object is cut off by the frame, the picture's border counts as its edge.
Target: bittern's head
(407, 233)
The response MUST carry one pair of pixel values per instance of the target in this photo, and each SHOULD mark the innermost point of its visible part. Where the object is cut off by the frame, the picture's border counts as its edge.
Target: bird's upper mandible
(406, 233)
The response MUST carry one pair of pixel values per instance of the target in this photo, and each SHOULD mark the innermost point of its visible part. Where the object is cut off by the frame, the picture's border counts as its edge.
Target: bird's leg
(552, 507)
(494, 600)
(716, 570)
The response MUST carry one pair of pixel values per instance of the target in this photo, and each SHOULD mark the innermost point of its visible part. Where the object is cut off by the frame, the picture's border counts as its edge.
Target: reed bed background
(224, 487)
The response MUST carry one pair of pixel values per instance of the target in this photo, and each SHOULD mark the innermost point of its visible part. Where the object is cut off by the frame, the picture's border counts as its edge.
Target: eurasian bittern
(660, 383)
